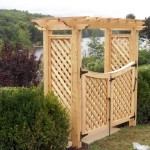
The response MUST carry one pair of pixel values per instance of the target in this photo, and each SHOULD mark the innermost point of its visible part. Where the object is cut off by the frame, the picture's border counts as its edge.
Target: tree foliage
(144, 57)
(143, 111)
(95, 60)
(96, 48)
(16, 28)
(130, 16)
(88, 33)
(18, 68)
(145, 33)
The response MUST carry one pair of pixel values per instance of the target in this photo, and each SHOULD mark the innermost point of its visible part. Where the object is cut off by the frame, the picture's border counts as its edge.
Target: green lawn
(123, 139)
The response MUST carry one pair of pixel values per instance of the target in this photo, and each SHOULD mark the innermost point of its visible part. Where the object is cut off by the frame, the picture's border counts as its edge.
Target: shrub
(93, 64)
(30, 121)
(144, 57)
(18, 68)
(143, 104)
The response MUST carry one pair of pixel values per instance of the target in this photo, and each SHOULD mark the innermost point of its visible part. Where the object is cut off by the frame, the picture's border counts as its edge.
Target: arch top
(84, 22)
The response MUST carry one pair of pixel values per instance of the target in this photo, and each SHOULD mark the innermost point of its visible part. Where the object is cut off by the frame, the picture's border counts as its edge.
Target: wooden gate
(108, 99)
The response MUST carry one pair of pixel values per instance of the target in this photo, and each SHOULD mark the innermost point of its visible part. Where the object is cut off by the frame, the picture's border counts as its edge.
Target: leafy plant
(18, 68)
(144, 57)
(96, 48)
(30, 121)
(143, 104)
(93, 64)
(95, 60)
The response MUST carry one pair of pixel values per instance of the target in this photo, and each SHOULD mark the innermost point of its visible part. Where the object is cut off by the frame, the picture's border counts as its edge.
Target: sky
(93, 8)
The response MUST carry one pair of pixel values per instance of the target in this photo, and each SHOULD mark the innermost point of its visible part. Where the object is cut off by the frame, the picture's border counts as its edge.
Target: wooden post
(46, 61)
(107, 53)
(134, 35)
(76, 89)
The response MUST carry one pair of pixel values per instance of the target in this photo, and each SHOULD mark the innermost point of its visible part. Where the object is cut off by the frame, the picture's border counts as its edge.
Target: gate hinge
(111, 79)
(134, 65)
(82, 135)
(109, 98)
(82, 72)
(133, 117)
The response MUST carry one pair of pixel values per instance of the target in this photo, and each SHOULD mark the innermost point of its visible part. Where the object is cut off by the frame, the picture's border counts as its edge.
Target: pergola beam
(69, 23)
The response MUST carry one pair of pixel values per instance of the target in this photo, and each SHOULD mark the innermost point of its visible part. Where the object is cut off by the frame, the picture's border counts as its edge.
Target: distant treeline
(16, 28)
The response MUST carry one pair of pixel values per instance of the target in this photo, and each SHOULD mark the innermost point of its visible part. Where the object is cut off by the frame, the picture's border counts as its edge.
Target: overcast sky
(100, 8)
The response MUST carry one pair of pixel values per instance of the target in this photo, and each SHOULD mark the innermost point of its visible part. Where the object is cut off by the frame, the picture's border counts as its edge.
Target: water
(84, 47)
(38, 53)
(142, 45)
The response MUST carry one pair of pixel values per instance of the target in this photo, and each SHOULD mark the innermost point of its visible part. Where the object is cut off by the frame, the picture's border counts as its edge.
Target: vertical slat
(83, 104)
(79, 61)
(76, 107)
(112, 100)
(133, 96)
(134, 35)
(109, 117)
(131, 53)
(46, 61)
(107, 52)
(49, 63)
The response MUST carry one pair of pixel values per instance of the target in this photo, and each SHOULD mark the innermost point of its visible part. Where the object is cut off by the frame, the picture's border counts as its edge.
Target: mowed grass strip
(123, 139)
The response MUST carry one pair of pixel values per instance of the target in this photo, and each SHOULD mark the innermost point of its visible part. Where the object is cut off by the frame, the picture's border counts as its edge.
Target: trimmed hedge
(30, 121)
(143, 104)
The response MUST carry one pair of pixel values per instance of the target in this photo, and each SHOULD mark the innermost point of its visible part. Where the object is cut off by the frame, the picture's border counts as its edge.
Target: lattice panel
(120, 48)
(61, 70)
(95, 103)
(122, 96)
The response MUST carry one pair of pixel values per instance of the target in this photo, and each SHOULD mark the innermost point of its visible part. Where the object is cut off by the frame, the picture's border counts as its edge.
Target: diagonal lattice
(122, 96)
(95, 103)
(61, 70)
(120, 48)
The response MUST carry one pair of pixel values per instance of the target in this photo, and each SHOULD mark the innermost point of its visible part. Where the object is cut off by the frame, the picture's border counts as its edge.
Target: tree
(145, 33)
(130, 16)
(94, 61)
(16, 28)
(96, 48)
(144, 57)
(18, 68)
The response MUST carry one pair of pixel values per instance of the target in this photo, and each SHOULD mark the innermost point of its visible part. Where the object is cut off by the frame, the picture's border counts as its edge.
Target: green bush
(143, 104)
(30, 121)
(93, 64)
(144, 57)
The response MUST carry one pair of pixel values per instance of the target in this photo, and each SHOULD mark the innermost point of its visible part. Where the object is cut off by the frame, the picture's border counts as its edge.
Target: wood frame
(76, 25)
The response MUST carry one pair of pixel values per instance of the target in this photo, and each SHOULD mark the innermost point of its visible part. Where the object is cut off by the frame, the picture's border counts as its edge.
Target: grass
(123, 140)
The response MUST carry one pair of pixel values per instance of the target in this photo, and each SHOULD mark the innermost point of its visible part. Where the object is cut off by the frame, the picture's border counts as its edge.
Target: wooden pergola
(79, 91)
(80, 23)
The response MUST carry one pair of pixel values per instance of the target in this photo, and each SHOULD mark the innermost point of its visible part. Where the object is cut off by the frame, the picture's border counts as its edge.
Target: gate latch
(82, 72)
(134, 65)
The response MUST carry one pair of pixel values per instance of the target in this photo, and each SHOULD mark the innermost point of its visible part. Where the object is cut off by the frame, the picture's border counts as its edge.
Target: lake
(142, 45)
(84, 47)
